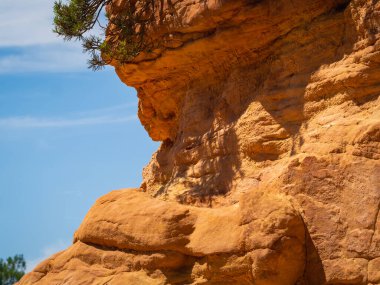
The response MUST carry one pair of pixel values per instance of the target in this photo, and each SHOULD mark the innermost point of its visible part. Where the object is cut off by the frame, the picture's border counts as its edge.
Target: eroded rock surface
(128, 234)
(269, 167)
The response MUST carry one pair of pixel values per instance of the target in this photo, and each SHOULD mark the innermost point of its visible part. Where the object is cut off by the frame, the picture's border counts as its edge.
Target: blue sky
(67, 135)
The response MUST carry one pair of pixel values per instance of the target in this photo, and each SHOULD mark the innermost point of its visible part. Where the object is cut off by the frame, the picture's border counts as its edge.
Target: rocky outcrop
(131, 237)
(269, 167)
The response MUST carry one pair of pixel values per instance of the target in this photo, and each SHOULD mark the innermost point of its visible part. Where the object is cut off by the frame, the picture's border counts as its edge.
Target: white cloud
(26, 22)
(34, 122)
(46, 252)
(27, 43)
(49, 58)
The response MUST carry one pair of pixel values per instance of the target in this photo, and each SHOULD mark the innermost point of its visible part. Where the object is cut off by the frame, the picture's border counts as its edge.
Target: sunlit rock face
(269, 167)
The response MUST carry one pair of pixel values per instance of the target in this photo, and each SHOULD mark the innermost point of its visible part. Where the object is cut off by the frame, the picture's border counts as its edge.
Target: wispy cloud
(27, 43)
(48, 58)
(25, 23)
(46, 252)
(33, 122)
(117, 114)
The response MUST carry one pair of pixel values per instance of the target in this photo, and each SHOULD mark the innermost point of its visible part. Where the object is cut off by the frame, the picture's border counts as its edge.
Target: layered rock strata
(268, 171)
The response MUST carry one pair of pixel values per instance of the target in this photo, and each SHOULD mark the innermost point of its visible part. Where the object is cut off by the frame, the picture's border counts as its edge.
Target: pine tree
(125, 38)
(12, 269)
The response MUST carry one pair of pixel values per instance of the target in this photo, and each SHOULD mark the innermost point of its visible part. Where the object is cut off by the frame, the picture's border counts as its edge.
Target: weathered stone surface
(130, 237)
(374, 270)
(346, 271)
(269, 170)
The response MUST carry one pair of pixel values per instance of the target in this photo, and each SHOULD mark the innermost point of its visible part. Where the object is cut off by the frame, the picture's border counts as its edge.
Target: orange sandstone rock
(269, 167)
(132, 237)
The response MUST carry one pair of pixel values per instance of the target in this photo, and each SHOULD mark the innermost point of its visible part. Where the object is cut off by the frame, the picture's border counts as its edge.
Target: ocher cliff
(268, 172)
